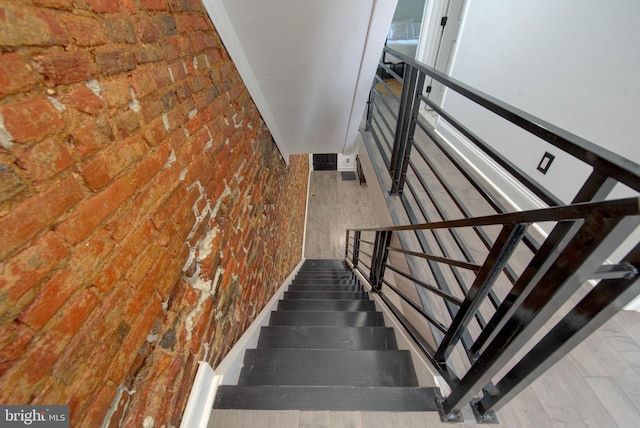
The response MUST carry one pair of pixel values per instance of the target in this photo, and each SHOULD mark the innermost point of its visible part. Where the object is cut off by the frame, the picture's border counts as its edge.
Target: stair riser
(348, 319)
(345, 338)
(343, 288)
(326, 305)
(385, 399)
(327, 368)
(317, 295)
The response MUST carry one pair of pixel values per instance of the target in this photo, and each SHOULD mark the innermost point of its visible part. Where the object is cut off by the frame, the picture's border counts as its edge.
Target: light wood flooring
(596, 385)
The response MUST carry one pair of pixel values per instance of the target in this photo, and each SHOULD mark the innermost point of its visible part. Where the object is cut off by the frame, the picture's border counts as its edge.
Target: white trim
(229, 368)
(306, 210)
(224, 27)
(200, 403)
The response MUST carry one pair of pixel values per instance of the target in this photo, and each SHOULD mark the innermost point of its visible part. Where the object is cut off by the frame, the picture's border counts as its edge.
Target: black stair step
(306, 337)
(326, 305)
(323, 367)
(316, 295)
(327, 318)
(323, 281)
(350, 287)
(388, 399)
(308, 277)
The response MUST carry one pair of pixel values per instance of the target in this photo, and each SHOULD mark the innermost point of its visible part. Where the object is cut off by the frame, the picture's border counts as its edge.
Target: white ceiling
(308, 65)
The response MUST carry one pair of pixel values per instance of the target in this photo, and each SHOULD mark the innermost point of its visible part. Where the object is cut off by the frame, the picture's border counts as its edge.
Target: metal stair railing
(478, 277)
(576, 251)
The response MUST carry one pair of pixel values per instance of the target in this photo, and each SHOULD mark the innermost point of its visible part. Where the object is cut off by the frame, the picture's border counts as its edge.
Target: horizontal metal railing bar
(622, 169)
(520, 175)
(384, 122)
(447, 374)
(365, 265)
(464, 265)
(437, 324)
(384, 155)
(471, 178)
(360, 251)
(391, 72)
(615, 271)
(388, 88)
(449, 297)
(366, 242)
(618, 208)
(392, 112)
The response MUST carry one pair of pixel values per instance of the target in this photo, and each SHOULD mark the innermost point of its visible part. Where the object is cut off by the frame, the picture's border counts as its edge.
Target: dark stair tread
(326, 305)
(327, 318)
(350, 287)
(324, 282)
(314, 337)
(390, 399)
(327, 367)
(341, 295)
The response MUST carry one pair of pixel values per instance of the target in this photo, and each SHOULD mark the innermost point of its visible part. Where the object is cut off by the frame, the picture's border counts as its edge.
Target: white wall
(573, 63)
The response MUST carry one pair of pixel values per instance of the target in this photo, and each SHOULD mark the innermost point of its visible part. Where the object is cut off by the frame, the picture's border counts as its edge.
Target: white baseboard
(200, 403)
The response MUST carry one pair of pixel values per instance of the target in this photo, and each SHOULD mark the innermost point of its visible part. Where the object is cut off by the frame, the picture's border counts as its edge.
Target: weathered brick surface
(146, 215)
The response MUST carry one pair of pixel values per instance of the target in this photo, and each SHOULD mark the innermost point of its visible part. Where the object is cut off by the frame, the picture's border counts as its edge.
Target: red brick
(150, 166)
(168, 207)
(102, 6)
(143, 264)
(143, 83)
(116, 91)
(14, 74)
(15, 339)
(138, 333)
(166, 24)
(171, 48)
(90, 213)
(114, 62)
(43, 353)
(96, 412)
(21, 25)
(154, 133)
(36, 213)
(83, 99)
(86, 263)
(120, 30)
(148, 53)
(90, 138)
(147, 29)
(126, 124)
(154, 4)
(85, 31)
(107, 323)
(108, 164)
(65, 67)
(124, 257)
(31, 119)
(45, 160)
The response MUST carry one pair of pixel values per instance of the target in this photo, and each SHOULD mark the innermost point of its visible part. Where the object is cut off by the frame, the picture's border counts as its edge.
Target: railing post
(346, 245)
(600, 233)
(367, 126)
(498, 257)
(356, 248)
(405, 127)
(380, 254)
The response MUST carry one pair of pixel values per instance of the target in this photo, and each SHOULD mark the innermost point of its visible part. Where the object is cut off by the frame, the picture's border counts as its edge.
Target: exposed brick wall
(146, 215)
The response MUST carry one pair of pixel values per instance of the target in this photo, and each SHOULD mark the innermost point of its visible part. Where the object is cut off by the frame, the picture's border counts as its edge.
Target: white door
(443, 19)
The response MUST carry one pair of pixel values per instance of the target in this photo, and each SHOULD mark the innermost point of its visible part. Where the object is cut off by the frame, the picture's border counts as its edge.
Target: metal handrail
(620, 168)
(584, 236)
(612, 208)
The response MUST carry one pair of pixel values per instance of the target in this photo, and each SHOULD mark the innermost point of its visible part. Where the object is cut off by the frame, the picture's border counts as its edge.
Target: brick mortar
(146, 213)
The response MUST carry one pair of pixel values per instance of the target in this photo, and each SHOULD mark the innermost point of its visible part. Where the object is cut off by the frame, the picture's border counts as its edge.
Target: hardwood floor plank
(616, 402)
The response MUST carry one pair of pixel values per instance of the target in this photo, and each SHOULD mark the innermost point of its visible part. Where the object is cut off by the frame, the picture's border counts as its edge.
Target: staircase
(326, 348)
